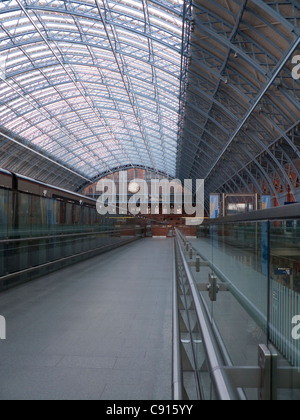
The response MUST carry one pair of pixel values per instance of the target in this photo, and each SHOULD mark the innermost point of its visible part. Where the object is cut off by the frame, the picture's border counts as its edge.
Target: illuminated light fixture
(134, 187)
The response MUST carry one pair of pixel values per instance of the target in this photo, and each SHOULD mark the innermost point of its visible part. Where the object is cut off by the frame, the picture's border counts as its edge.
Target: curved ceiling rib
(241, 127)
(93, 84)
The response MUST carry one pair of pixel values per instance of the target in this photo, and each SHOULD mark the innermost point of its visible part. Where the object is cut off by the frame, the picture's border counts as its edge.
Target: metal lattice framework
(92, 84)
(192, 88)
(241, 129)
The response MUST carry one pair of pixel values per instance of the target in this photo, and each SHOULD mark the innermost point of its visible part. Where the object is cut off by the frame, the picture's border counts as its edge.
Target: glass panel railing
(26, 215)
(25, 258)
(243, 311)
(198, 360)
(248, 280)
(284, 311)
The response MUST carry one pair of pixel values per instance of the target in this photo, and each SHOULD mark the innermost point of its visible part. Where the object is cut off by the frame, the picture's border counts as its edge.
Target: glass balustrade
(248, 281)
(39, 235)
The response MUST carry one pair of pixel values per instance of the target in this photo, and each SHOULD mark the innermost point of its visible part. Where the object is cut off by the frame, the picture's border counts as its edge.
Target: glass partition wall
(39, 235)
(256, 266)
(24, 215)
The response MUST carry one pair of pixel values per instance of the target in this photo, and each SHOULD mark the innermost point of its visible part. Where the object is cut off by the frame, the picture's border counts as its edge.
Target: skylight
(75, 62)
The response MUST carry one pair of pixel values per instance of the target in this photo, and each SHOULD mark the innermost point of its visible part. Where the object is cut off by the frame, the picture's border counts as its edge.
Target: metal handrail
(267, 377)
(221, 385)
(65, 235)
(60, 260)
(177, 372)
(288, 212)
(246, 303)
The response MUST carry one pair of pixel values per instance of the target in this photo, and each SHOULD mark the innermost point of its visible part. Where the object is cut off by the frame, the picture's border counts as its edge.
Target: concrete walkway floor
(101, 329)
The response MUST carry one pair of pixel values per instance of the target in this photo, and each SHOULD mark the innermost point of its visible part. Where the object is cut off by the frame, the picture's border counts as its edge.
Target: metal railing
(289, 212)
(203, 366)
(24, 258)
(196, 357)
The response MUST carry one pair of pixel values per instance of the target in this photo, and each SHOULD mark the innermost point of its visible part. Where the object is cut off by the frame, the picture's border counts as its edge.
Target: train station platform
(100, 329)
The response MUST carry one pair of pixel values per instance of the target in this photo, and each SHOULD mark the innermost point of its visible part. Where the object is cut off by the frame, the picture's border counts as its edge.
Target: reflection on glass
(35, 231)
(257, 266)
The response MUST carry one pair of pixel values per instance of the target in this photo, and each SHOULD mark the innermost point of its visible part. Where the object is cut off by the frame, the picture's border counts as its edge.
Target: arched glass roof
(93, 84)
(206, 89)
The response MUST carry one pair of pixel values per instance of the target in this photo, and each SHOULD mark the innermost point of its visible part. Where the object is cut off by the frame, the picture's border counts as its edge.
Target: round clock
(134, 187)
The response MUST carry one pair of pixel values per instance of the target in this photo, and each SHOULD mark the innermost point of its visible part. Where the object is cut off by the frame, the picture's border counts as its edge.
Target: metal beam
(276, 73)
(45, 157)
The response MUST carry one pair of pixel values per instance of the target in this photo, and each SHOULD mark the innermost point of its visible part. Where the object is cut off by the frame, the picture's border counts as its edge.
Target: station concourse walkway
(101, 329)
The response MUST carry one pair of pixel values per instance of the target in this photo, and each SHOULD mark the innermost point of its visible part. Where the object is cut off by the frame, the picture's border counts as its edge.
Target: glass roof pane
(93, 79)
